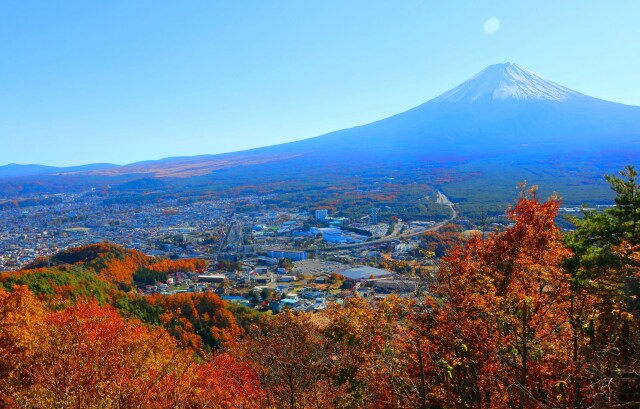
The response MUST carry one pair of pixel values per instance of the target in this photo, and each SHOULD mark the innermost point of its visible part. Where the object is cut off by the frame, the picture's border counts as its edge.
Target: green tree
(605, 292)
(627, 210)
(285, 263)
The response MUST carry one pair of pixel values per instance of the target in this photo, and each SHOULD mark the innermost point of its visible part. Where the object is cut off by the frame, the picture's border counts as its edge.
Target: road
(395, 234)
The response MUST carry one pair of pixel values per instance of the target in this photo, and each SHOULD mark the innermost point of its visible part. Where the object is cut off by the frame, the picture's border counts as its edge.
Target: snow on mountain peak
(507, 81)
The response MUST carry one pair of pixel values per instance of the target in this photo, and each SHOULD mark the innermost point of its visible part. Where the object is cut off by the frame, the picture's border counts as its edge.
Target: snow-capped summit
(507, 81)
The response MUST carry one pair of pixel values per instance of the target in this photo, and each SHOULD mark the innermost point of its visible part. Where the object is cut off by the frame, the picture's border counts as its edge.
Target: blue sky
(124, 81)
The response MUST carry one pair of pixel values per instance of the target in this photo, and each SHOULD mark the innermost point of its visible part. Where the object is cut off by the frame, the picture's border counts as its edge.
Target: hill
(105, 273)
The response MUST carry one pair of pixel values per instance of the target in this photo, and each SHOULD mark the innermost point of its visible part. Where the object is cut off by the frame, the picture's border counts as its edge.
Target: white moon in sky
(491, 25)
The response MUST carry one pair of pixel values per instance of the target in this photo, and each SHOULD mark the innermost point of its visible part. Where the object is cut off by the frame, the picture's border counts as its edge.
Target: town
(269, 259)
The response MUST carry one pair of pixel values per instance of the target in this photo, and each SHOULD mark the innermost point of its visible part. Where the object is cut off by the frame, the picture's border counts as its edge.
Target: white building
(321, 214)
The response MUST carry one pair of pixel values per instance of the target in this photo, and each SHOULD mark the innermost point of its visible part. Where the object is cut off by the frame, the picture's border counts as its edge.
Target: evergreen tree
(627, 210)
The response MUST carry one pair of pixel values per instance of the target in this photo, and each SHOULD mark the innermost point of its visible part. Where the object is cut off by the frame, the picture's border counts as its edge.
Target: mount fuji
(505, 114)
(504, 110)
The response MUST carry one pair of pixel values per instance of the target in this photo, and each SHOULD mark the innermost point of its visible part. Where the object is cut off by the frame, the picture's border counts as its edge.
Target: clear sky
(122, 81)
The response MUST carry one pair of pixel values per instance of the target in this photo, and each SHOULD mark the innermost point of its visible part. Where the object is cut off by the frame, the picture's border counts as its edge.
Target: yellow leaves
(20, 323)
(626, 316)
(461, 345)
(448, 369)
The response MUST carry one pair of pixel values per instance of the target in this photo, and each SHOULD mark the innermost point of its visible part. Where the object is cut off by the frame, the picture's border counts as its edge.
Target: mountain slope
(504, 110)
(502, 126)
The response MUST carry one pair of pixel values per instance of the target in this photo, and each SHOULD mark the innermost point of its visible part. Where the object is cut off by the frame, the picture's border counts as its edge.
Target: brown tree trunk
(523, 372)
(423, 382)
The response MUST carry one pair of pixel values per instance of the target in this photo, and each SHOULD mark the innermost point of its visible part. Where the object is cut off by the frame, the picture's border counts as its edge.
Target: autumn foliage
(116, 264)
(503, 313)
(197, 320)
(88, 356)
(530, 317)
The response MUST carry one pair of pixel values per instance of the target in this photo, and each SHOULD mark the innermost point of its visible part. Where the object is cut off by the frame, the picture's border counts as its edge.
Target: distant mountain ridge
(16, 170)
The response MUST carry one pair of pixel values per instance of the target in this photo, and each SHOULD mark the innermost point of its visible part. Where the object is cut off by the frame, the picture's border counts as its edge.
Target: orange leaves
(116, 264)
(174, 266)
(288, 355)
(374, 357)
(442, 241)
(83, 356)
(89, 356)
(630, 255)
(197, 319)
(94, 355)
(21, 327)
(224, 382)
(117, 269)
(506, 299)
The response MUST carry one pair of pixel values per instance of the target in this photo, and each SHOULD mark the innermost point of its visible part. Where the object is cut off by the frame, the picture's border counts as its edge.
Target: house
(279, 305)
(212, 278)
(289, 303)
(263, 279)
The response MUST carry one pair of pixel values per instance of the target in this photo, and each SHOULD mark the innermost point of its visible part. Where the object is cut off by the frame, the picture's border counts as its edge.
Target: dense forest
(530, 317)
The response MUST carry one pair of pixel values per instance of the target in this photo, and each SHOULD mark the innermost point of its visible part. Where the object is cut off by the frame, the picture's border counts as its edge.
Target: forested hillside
(530, 317)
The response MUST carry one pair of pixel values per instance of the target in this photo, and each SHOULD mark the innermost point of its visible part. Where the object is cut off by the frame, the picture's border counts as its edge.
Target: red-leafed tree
(287, 351)
(88, 356)
(502, 315)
